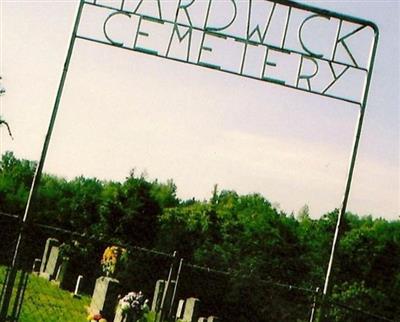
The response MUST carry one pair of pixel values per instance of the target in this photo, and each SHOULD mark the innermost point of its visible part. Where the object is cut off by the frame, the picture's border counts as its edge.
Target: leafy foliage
(243, 234)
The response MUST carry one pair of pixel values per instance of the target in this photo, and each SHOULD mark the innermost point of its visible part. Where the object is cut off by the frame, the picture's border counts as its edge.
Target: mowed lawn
(46, 302)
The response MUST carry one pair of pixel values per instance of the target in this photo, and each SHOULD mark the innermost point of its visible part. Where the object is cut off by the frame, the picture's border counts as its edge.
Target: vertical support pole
(21, 300)
(167, 287)
(327, 286)
(314, 305)
(9, 283)
(4, 285)
(178, 274)
(23, 281)
(342, 212)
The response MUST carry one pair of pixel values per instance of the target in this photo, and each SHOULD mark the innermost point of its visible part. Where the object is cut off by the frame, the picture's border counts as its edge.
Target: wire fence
(66, 276)
(341, 312)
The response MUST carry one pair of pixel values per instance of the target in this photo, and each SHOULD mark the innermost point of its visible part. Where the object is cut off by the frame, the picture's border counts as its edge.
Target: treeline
(244, 234)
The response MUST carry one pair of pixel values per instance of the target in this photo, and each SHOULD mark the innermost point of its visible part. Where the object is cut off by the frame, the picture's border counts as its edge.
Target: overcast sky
(122, 110)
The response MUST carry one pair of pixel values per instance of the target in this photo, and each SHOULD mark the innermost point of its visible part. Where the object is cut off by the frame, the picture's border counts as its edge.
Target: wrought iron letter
(181, 38)
(308, 54)
(257, 28)
(307, 77)
(341, 41)
(202, 47)
(301, 33)
(139, 32)
(158, 5)
(115, 43)
(335, 77)
(228, 24)
(273, 64)
(184, 7)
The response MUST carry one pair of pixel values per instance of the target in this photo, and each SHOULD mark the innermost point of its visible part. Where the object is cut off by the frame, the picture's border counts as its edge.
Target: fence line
(5, 214)
(170, 256)
(353, 309)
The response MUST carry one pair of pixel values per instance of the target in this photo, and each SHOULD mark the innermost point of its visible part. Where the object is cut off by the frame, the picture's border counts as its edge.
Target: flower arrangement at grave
(133, 306)
(113, 257)
(96, 317)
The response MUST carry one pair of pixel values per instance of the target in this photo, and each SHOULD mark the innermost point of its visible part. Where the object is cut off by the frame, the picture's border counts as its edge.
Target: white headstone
(192, 308)
(212, 319)
(78, 284)
(53, 263)
(50, 242)
(180, 310)
(36, 265)
(105, 297)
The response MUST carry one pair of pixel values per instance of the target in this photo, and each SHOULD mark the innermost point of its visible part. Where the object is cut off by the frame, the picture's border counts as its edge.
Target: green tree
(129, 213)
(15, 180)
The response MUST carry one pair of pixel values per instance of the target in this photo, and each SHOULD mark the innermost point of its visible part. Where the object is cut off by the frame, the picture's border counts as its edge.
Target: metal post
(335, 243)
(23, 281)
(166, 289)
(22, 297)
(9, 283)
(342, 212)
(314, 305)
(178, 274)
(4, 286)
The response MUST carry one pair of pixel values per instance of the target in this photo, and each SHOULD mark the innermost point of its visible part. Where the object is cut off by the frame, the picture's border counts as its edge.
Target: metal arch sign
(296, 46)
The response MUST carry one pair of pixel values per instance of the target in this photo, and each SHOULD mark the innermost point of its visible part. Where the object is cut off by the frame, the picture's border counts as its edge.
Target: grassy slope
(45, 302)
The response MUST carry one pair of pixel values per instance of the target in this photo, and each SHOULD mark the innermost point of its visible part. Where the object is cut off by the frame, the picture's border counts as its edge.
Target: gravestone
(119, 317)
(37, 263)
(161, 292)
(213, 319)
(127, 317)
(105, 297)
(202, 320)
(53, 263)
(62, 272)
(158, 294)
(78, 285)
(50, 244)
(192, 308)
(180, 309)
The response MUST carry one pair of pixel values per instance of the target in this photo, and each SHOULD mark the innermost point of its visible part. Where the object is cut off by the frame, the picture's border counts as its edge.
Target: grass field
(45, 302)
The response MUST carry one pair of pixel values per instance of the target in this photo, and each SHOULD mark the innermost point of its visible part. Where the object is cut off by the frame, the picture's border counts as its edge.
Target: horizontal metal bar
(328, 13)
(353, 309)
(235, 274)
(101, 240)
(9, 215)
(222, 35)
(293, 4)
